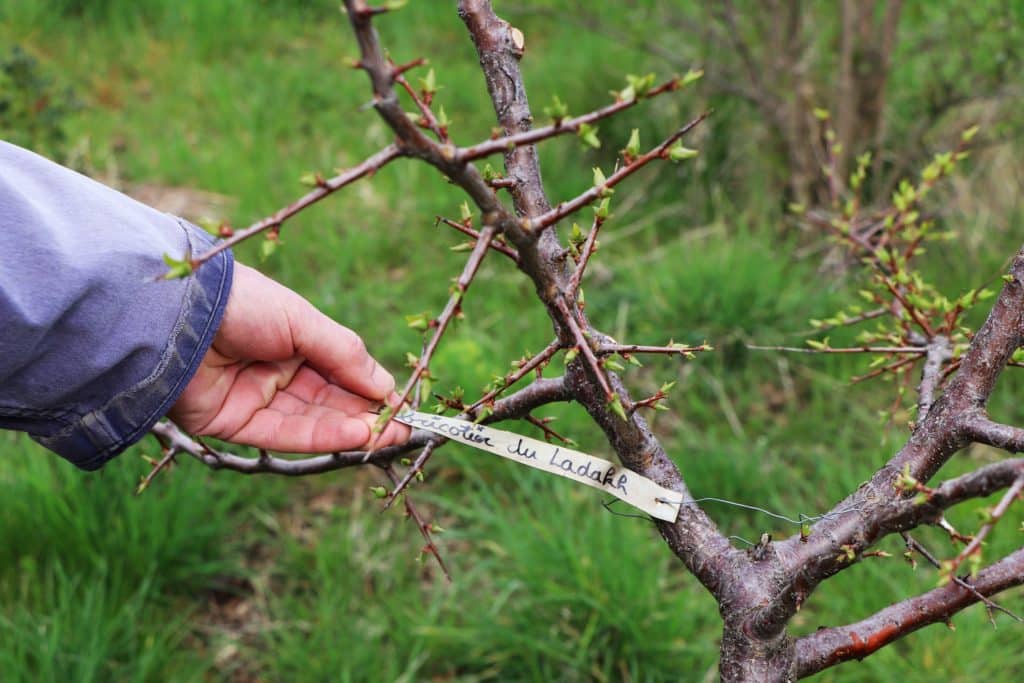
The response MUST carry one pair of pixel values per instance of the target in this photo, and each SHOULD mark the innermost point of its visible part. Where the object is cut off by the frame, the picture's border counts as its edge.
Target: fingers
(284, 407)
(315, 429)
(266, 321)
(339, 354)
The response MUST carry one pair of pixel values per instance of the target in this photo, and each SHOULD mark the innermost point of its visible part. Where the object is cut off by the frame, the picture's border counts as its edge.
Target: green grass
(242, 98)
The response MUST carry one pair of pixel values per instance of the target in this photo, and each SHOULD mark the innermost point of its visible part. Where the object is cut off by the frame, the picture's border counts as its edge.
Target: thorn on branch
(425, 529)
(158, 466)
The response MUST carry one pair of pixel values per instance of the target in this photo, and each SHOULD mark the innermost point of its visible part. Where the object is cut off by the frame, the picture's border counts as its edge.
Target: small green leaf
(311, 179)
(442, 117)
(570, 355)
(639, 84)
(418, 321)
(633, 146)
(969, 134)
(379, 491)
(680, 153)
(464, 211)
(588, 135)
(268, 247)
(821, 114)
(178, 269)
(615, 405)
(557, 111)
(613, 364)
(692, 76)
(429, 83)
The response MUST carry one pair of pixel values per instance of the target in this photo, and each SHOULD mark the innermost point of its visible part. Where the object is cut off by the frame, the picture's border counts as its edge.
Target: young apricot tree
(917, 333)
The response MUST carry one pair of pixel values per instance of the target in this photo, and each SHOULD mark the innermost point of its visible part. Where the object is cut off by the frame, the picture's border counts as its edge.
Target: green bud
(615, 405)
(588, 135)
(691, 76)
(633, 146)
(680, 153)
(557, 111)
(268, 247)
(178, 269)
(418, 321)
(311, 179)
(379, 491)
(429, 83)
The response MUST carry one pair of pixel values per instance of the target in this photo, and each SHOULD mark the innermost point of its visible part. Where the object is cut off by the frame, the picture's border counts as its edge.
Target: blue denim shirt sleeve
(94, 347)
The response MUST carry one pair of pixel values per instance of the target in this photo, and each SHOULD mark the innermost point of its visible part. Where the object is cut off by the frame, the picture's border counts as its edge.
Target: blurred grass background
(215, 576)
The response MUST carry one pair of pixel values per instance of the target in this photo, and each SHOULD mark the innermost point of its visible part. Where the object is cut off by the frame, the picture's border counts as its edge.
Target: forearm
(94, 347)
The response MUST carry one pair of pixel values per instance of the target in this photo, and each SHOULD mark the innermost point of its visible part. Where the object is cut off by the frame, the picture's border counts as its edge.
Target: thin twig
(671, 349)
(588, 249)
(993, 518)
(496, 244)
(536, 362)
(164, 463)
(274, 221)
(918, 350)
(583, 344)
(571, 206)
(424, 527)
(453, 306)
(566, 125)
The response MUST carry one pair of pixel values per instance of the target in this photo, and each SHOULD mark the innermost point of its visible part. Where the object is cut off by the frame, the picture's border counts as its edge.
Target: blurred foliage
(33, 107)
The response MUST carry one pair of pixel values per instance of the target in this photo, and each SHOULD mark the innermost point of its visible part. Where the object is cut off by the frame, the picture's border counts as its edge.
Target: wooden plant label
(626, 485)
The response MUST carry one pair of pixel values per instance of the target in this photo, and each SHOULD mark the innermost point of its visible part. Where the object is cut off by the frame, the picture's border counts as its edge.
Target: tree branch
(830, 646)
(324, 188)
(908, 513)
(571, 206)
(693, 537)
(981, 429)
(939, 351)
(867, 515)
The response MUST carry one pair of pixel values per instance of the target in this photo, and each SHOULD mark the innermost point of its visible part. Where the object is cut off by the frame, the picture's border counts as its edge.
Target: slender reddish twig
(583, 344)
(671, 349)
(164, 462)
(917, 350)
(326, 187)
(588, 249)
(428, 115)
(567, 125)
(414, 469)
(424, 527)
(466, 230)
(542, 424)
(997, 513)
(453, 306)
(571, 206)
(508, 380)
(891, 367)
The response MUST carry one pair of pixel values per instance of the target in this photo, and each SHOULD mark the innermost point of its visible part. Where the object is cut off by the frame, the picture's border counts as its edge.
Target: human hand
(283, 376)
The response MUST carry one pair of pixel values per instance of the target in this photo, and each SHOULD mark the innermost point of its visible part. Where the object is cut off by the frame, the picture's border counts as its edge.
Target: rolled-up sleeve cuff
(102, 434)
